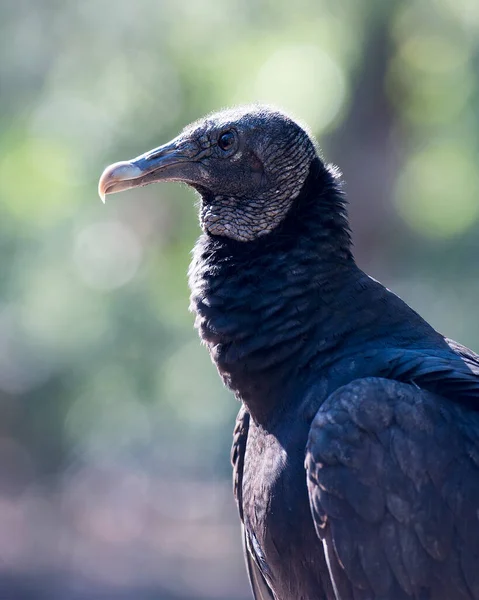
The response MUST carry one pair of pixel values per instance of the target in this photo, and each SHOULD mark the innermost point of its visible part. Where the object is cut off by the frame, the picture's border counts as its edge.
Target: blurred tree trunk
(365, 147)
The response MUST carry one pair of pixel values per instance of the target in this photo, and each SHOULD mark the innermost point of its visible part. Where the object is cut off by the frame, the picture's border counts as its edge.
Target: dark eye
(226, 140)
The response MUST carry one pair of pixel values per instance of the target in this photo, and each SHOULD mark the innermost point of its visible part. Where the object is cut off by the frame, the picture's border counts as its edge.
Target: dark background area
(114, 427)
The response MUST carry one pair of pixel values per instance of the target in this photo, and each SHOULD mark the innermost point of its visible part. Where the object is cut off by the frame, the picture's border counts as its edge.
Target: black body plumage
(314, 348)
(356, 448)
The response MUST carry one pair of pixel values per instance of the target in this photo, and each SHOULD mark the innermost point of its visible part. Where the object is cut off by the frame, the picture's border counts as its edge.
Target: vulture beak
(174, 161)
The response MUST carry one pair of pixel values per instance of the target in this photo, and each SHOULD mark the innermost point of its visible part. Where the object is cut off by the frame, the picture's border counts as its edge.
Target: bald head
(249, 164)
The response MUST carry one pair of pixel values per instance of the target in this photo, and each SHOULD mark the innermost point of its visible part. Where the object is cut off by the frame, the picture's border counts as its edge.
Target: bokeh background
(114, 428)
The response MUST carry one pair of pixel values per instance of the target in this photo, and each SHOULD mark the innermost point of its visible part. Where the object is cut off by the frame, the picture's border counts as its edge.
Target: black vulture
(356, 447)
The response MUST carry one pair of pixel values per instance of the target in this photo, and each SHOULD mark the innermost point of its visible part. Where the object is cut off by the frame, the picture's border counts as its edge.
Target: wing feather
(259, 587)
(393, 482)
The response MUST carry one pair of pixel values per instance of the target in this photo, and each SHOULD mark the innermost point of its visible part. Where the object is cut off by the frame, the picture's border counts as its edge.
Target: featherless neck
(262, 307)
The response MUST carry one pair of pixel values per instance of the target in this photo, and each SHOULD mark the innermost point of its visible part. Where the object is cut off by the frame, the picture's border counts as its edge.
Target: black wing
(451, 372)
(260, 588)
(393, 481)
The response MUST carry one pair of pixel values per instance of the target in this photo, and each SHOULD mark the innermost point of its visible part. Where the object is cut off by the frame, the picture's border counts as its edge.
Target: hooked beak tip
(115, 173)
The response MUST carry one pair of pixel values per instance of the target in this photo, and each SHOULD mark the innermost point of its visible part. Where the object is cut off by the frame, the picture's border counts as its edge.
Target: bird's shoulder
(393, 483)
(470, 357)
(447, 369)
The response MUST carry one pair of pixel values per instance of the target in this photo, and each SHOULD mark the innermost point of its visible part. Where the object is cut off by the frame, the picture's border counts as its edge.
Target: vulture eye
(226, 140)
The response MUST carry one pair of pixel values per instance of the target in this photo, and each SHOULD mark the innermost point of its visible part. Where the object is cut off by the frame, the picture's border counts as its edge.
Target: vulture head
(248, 164)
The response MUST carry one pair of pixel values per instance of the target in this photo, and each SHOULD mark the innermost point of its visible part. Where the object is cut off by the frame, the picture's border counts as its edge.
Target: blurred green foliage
(114, 427)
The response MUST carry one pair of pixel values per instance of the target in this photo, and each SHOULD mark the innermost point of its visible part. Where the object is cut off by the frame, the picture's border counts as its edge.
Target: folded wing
(393, 482)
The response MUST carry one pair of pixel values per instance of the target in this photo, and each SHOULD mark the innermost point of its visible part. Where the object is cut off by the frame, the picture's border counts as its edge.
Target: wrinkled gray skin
(246, 190)
(255, 175)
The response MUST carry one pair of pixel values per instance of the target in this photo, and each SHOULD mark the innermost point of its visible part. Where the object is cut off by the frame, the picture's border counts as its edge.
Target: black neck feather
(264, 307)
